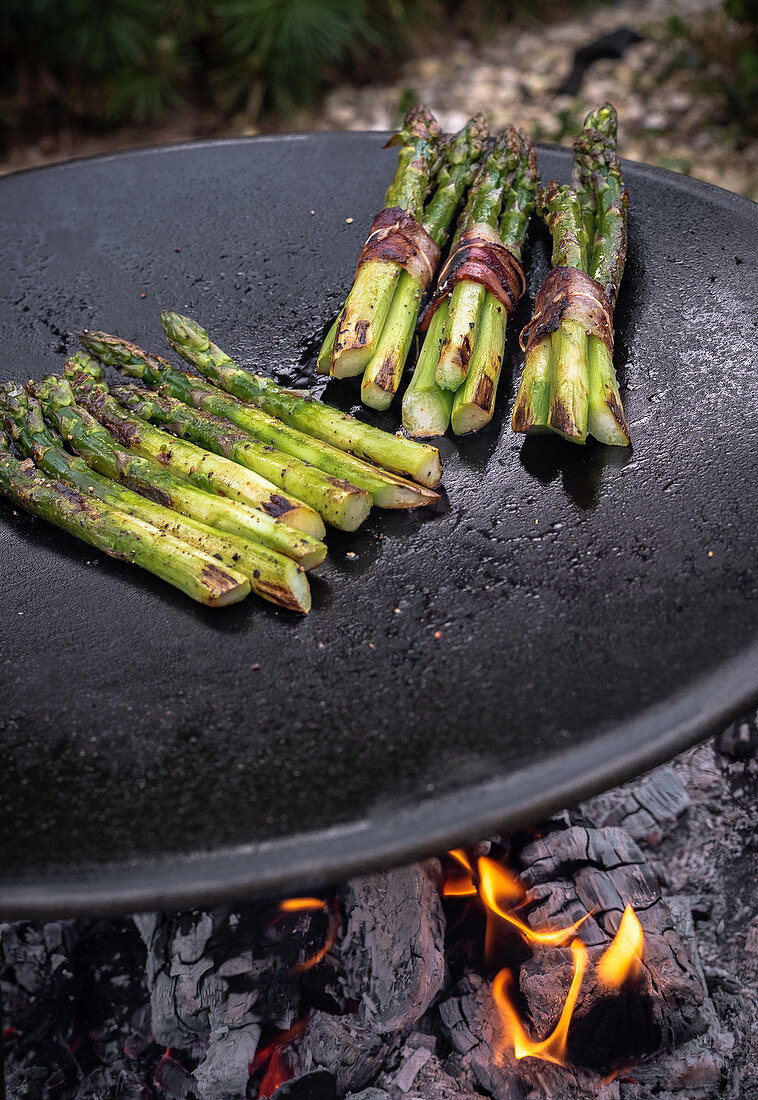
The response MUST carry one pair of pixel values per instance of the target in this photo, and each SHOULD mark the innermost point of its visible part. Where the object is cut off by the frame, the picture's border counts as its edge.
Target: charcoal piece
(472, 1025)
(418, 1074)
(600, 871)
(739, 741)
(391, 953)
(368, 1094)
(351, 1052)
(696, 1067)
(648, 811)
(318, 1085)
(173, 1079)
(223, 1074)
(214, 977)
(106, 1083)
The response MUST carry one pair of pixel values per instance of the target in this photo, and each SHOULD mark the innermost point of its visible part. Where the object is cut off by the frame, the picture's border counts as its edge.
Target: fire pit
(609, 953)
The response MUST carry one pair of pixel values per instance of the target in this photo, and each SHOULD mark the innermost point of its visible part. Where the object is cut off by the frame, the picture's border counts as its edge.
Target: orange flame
(460, 886)
(553, 1048)
(296, 905)
(329, 942)
(497, 885)
(459, 855)
(623, 959)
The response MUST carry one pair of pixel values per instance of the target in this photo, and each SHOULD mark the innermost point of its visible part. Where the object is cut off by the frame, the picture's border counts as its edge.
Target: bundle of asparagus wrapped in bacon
(220, 487)
(478, 289)
(374, 331)
(569, 384)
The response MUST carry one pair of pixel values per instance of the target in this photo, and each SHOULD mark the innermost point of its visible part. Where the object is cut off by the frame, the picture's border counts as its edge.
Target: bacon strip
(480, 257)
(569, 294)
(396, 237)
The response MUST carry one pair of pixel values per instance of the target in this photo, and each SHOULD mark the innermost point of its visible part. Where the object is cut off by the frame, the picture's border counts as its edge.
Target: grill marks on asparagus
(568, 383)
(479, 287)
(96, 445)
(387, 490)
(396, 454)
(120, 535)
(271, 575)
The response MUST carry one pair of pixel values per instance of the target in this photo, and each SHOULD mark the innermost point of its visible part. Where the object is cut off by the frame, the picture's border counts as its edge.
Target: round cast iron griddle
(565, 618)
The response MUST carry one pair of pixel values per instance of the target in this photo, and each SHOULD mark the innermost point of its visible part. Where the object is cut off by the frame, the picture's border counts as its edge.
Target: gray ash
(384, 991)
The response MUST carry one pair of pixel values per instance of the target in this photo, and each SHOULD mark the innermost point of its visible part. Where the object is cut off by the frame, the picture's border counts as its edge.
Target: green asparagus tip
(184, 330)
(53, 389)
(468, 143)
(98, 343)
(83, 363)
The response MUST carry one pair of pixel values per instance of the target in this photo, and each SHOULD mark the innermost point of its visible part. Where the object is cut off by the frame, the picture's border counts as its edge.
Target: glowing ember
(497, 886)
(623, 959)
(274, 1057)
(277, 1072)
(296, 905)
(553, 1048)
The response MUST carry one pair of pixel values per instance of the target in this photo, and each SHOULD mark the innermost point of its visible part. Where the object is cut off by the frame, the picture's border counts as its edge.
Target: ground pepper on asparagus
(568, 383)
(99, 448)
(387, 490)
(120, 535)
(395, 453)
(273, 576)
(214, 473)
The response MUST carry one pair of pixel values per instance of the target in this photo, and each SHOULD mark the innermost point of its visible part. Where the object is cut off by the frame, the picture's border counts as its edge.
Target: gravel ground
(665, 117)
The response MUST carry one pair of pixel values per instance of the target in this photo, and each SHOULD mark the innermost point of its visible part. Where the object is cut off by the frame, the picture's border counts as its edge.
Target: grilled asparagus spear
(103, 452)
(386, 489)
(460, 158)
(402, 456)
(215, 474)
(120, 535)
(356, 332)
(271, 575)
(568, 383)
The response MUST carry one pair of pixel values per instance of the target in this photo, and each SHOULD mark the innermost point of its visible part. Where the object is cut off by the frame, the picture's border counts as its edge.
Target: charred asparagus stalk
(395, 453)
(467, 298)
(359, 326)
(337, 502)
(386, 489)
(568, 383)
(274, 577)
(120, 535)
(95, 444)
(384, 370)
(211, 472)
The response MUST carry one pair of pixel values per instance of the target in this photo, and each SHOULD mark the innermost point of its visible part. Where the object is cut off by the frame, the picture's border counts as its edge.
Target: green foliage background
(116, 62)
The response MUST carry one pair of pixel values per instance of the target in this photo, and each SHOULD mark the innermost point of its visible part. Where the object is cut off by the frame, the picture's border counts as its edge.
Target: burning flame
(497, 885)
(553, 1048)
(460, 886)
(297, 905)
(623, 959)
(502, 892)
(304, 905)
